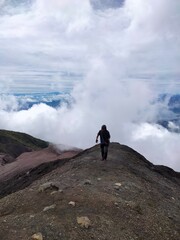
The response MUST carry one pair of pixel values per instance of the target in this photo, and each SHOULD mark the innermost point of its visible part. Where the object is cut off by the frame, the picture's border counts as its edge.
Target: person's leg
(105, 152)
(102, 151)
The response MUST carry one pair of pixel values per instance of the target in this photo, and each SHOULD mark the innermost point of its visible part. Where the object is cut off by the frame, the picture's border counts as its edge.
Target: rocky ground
(123, 198)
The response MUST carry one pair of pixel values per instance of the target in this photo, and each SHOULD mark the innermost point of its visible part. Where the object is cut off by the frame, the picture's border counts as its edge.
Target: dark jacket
(104, 136)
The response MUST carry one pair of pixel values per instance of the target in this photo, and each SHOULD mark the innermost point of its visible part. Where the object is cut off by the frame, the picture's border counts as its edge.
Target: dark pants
(104, 151)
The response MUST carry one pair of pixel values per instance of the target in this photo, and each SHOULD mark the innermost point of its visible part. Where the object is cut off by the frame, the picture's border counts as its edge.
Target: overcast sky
(114, 61)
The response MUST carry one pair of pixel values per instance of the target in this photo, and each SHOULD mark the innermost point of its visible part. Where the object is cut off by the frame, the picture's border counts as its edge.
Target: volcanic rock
(146, 205)
(84, 222)
(37, 236)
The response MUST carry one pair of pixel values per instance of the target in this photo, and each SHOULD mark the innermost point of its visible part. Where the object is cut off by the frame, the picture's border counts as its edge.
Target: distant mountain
(52, 99)
(174, 103)
(171, 119)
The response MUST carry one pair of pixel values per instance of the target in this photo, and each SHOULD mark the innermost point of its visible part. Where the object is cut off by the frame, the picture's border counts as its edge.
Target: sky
(114, 58)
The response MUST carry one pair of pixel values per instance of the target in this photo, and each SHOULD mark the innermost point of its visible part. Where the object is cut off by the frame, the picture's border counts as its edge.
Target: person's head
(103, 127)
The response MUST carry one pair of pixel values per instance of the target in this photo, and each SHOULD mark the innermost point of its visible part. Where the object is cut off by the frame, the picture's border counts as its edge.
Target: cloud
(158, 143)
(78, 125)
(105, 4)
(61, 36)
(115, 61)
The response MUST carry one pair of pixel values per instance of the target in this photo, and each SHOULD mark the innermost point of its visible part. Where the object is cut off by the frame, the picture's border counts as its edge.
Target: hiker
(104, 141)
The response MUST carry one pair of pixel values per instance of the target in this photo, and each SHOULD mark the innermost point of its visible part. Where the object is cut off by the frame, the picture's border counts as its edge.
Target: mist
(113, 60)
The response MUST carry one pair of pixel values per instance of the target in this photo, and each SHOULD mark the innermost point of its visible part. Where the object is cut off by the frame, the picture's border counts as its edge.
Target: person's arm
(97, 136)
(109, 136)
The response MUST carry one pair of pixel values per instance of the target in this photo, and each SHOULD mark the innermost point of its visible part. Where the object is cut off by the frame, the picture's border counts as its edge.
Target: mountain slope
(125, 198)
(15, 143)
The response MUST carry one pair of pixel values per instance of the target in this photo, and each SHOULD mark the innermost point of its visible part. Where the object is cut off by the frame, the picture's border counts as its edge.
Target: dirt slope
(125, 198)
(29, 160)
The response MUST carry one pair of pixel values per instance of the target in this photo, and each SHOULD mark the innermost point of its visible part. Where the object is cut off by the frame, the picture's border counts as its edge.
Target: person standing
(104, 141)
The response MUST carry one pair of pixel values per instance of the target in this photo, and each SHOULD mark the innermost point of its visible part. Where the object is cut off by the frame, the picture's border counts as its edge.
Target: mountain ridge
(125, 197)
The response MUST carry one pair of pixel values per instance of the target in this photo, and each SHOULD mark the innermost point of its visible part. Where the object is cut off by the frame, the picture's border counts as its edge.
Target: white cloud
(77, 126)
(117, 62)
(158, 144)
(65, 35)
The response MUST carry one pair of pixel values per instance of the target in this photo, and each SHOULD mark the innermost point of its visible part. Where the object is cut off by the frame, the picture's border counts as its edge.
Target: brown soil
(29, 160)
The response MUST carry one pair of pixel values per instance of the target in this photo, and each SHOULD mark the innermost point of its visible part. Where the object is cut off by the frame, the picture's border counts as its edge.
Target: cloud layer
(114, 62)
